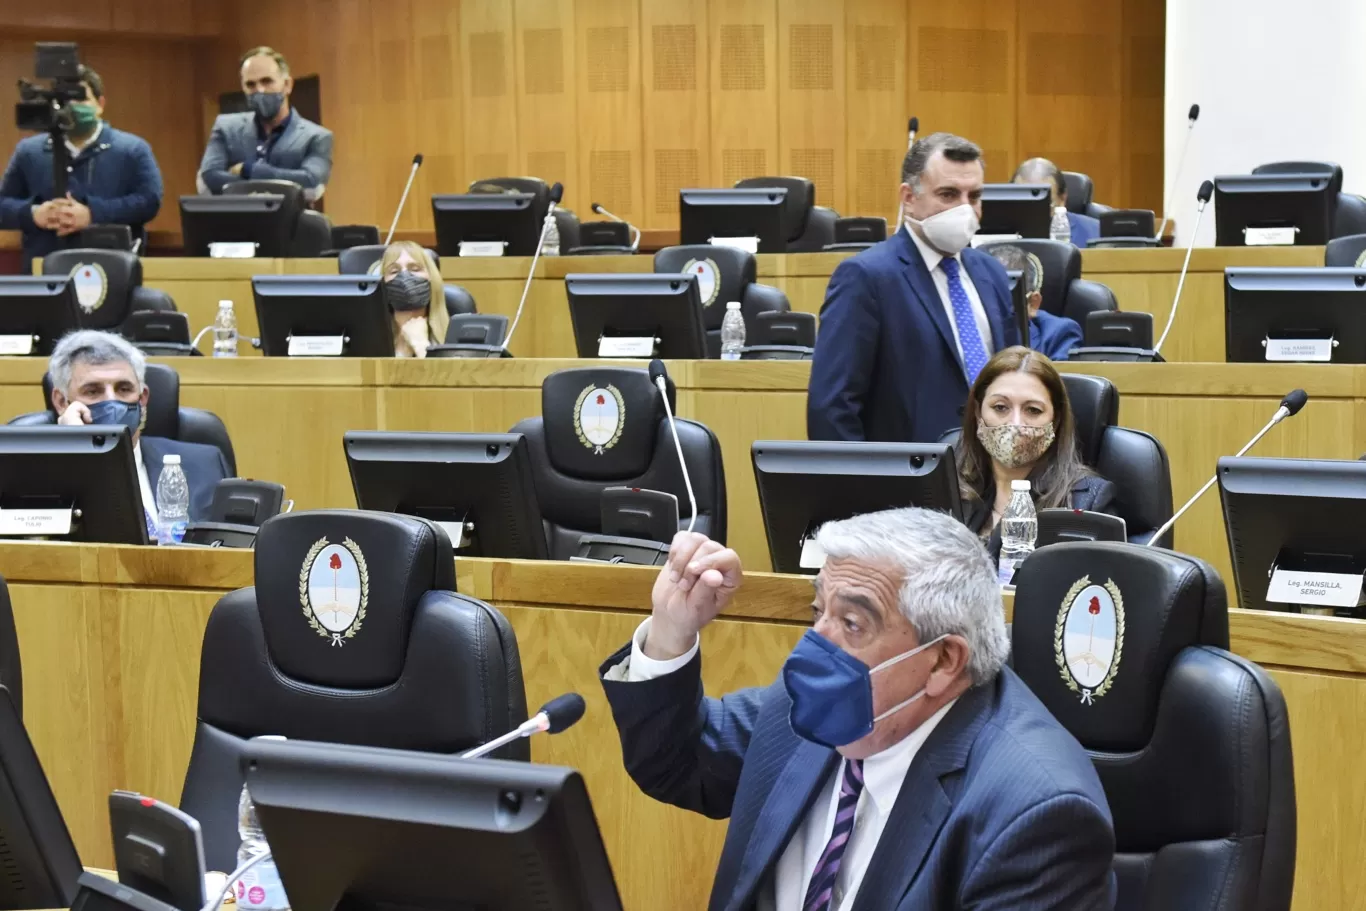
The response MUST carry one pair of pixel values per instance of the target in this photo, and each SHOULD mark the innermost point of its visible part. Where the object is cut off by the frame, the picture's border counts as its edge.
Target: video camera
(43, 109)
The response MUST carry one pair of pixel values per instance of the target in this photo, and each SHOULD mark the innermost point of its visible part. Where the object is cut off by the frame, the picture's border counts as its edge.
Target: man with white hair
(99, 378)
(896, 764)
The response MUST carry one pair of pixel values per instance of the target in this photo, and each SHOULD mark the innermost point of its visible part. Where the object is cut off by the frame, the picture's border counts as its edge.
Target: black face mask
(266, 104)
(408, 291)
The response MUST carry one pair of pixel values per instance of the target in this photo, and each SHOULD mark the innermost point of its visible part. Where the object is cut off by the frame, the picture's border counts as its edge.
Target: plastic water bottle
(1019, 529)
(551, 247)
(225, 331)
(1060, 228)
(173, 501)
(732, 332)
(260, 888)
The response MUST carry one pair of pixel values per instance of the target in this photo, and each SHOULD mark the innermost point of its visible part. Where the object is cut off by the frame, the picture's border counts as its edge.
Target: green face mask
(85, 117)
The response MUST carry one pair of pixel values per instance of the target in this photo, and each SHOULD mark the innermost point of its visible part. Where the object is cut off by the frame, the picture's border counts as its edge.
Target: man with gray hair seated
(1041, 170)
(99, 378)
(896, 764)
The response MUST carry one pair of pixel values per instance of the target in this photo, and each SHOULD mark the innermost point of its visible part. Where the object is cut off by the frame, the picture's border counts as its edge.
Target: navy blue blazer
(886, 367)
(1001, 808)
(204, 467)
(1053, 336)
(1084, 228)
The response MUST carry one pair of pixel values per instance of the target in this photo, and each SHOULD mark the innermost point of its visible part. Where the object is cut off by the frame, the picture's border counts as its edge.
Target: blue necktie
(974, 351)
(820, 891)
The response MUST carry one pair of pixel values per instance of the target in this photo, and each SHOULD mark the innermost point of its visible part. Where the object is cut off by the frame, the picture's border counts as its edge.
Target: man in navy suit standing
(907, 325)
(99, 378)
(896, 765)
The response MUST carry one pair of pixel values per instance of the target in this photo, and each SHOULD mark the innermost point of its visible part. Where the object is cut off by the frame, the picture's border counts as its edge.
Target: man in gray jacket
(270, 142)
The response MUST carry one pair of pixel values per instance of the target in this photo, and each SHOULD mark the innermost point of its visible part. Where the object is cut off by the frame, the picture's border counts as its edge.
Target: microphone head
(657, 371)
(557, 193)
(1294, 401)
(914, 125)
(1194, 114)
(1206, 191)
(417, 159)
(596, 207)
(563, 711)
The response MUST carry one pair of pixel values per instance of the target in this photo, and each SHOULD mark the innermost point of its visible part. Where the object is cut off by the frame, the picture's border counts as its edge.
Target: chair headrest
(105, 280)
(1095, 406)
(600, 422)
(336, 590)
(1079, 191)
(163, 401)
(1306, 167)
(801, 198)
(1345, 251)
(793, 327)
(1061, 264)
(723, 273)
(1096, 627)
(360, 260)
(345, 236)
(856, 229)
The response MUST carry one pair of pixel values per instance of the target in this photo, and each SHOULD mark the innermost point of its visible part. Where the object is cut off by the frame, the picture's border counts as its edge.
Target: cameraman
(113, 180)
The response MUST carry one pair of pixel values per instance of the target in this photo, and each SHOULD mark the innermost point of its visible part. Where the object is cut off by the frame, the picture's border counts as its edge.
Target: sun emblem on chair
(599, 415)
(92, 285)
(334, 588)
(1088, 638)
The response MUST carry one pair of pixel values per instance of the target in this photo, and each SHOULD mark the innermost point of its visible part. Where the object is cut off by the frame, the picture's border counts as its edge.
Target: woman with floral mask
(1018, 425)
(416, 298)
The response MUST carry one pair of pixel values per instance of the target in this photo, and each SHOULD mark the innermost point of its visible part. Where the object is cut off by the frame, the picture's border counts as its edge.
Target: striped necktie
(974, 348)
(820, 891)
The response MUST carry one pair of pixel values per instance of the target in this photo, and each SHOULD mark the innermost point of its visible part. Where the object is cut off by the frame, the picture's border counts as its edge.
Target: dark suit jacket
(886, 367)
(1001, 808)
(1094, 494)
(204, 467)
(1054, 336)
(303, 153)
(1084, 228)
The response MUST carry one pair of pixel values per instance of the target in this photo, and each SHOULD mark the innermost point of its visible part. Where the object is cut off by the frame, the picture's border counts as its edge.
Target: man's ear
(59, 401)
(145, 397)
(288, 85)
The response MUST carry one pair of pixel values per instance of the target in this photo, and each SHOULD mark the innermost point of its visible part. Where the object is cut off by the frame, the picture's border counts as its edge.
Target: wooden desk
(111, 640)
(287, 417)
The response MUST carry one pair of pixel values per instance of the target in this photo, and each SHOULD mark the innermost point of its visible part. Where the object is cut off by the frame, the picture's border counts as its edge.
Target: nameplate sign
(223, 249)
(35, 521)
(748, 244)
(1299, 349)
(11, 345)
(1269, 237)
(1314, 589)
(316, 345)
(626, 347)
(482, 247)
(979, 239)
(813, 557)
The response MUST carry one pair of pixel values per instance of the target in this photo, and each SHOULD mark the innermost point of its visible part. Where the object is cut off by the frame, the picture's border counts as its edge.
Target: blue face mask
(832, 691)
(112, 411)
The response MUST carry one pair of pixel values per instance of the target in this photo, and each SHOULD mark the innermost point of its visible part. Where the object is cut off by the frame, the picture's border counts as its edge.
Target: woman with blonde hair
(416, 298)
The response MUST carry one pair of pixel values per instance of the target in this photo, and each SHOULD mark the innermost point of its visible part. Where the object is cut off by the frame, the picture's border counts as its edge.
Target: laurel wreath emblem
(362, 570)
(1061, 659)
(578, 420)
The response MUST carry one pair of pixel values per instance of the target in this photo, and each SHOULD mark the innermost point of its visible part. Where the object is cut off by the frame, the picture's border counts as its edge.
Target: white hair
(91, 346)
(948, 585)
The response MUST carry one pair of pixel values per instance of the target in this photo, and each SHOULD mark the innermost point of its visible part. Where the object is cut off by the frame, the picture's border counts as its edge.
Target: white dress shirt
(941, 283)
(90, 140)
(883, 775)
(149, 499)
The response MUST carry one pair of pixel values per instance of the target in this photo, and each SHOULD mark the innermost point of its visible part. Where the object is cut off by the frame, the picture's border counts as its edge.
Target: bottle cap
(225, 303)
(733, 305)
(170, 459)
(1019, 485)
(1062, 209)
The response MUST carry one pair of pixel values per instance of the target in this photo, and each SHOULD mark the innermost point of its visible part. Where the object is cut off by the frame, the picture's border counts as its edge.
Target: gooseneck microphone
(659, 376)
(556, 194)
(635, 244)
(1290, 406)
(403, 200)
(1202, 198)
(1193, 116)
(556, 715)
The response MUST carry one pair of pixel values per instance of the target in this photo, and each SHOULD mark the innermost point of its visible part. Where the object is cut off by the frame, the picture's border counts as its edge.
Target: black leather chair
(1349, 251)
(346, 236)
(1350, 220)
(1135, 461)
(1191, 742)
(858, 233)
(602, 238)
(1065, 292)
(810, 228)
(571, 473)
(419, 667)
(787, 336)
(11, 668)
(165, 417)
(360, 260)
(1349, 210)
(312, 232)
(1080, 195)
(534, 185)
(119, 273)
(735, 272)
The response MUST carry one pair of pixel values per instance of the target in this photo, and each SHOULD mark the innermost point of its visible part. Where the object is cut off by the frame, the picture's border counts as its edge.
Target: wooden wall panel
(744, 89)
(546, 98)
(675, 105)
(811, 93)
(488, 58)
(1143, 29)
(875, 105)
(607, 40)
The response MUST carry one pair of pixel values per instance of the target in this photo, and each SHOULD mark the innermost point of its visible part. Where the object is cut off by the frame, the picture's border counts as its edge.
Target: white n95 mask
(951, 230)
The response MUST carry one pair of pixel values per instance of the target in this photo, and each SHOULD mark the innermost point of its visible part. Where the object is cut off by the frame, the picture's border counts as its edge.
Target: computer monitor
(1295, 314)
(803, 485)
(369, 829)
(478, 486)
(642, 315)
(1295, 514)
(1023, 209)
(36, 311)
(41, 863)
(748, 212)
(514, 219)
(265, 219)
(323, 315)
(48, 473)
(1250, 203)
